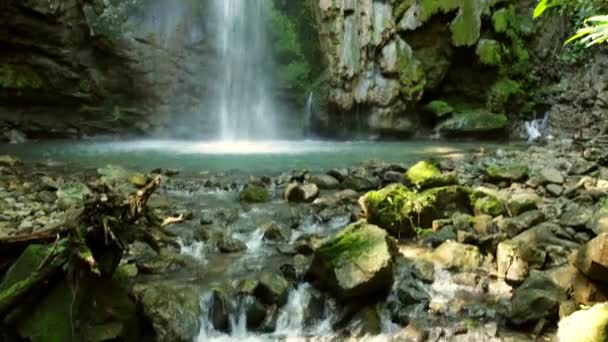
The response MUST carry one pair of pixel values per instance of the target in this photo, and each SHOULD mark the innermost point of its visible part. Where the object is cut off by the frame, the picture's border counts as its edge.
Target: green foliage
(294, 69)
(439, 108)
(585, 13)
(594, 32)
(489, 52)
(19, 77)
(501, 93)
(110, 17)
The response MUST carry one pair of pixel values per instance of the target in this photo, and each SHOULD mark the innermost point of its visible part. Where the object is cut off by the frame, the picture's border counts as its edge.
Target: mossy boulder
(439, 108)
(590, 325)
(489, 205)
(452, 254)
(537, 298)
(474, 122)
(19, 77)
(502, 93)
(355, 263)
(426, 174)
(254, 194)
(511, 172)
(400, 210)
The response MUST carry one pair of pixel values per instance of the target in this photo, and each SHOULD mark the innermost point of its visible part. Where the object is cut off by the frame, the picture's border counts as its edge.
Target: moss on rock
(254, 194)
(511, 172)
(489, 205)
(19, 77)
(439, 108)
(489, 52)
(473, 122)
(426, 174)
(501, 93)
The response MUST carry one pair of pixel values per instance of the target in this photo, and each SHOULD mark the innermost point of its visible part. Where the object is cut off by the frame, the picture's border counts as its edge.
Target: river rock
(301, 193)
(590, 325)
(599, 221)
(512, 226)
(71, 194)
(582, 289)
(576, 216)
(511, 173)
(426, 174)
(399, 210)
(355, 263)
(172, 309)
(592, 258)
(537, 298)
(337, 198)
(326, 182)
(582, 167)
(551, 175)
(411, 291)
(253, 193)
(522, 201)
(231, 245)
(10, 161)
(275, 232)
(554, 189)
(272, 288)
(452, 254)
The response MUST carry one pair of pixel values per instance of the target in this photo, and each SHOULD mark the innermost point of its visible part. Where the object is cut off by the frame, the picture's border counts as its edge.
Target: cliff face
(54, 68)
(463, 59)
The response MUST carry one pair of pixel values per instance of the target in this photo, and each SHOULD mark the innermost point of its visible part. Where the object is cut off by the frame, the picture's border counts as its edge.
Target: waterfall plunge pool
(253, 157)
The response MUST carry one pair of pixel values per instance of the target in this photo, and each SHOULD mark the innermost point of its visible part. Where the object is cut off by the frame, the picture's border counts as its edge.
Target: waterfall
(245, 109)
(308, 117)
(535, 129)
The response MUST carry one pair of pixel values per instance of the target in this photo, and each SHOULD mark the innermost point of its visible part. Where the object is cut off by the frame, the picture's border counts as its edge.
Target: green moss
(472, 122)
(467, 24)
(254, 194)
(19, 77)
(349, 244)
(411, 76)
(501, 93)
(489, 205)
(439, 108)
(489, 52)
(500, 20)
(426, 174)
(512, 172)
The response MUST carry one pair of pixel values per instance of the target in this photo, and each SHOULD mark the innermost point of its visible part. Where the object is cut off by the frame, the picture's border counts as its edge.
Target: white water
(245, 109)
(537, 128)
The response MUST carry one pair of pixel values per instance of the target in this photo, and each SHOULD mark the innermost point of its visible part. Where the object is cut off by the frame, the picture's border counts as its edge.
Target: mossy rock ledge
(426, 174)
(357, 262)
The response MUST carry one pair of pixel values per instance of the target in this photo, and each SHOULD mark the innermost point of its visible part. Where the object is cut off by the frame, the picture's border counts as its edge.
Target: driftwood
(93, 239)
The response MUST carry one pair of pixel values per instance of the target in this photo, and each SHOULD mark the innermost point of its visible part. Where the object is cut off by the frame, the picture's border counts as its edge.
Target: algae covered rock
(537, 298)
(400, 210)
(512, 172)
(254, 194)
(489, 52)
(473, 122)
(72, 194)
(426, 174)
(589, 325)
(439, 108)
(452, 254)
(355, 263)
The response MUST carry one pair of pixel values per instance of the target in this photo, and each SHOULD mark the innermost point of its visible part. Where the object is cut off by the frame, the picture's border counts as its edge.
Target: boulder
(301, 193)
(272, 288)
(172, 309)
(72, 194)
(254, 194)
(592, 258)
(551, 175)
(231, 245)
(512, 226)
(355, 263)
(489, 205)
(590, 325)
(400, 210)
(426, 174)
(452, 254)
(10, 161)
(537, 298)
(275, 232)
(477, 122)
(577, 216)
(599, 221)
(522, 201)
(512, 172)
(326, 182)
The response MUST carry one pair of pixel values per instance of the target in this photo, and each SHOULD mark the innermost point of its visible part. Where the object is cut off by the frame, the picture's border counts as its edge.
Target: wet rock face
(590, 325)
(356, 263)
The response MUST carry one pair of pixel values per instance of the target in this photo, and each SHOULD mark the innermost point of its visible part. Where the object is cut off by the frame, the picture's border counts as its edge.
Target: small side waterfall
(537, 128)
(245, 109)
(308, 114)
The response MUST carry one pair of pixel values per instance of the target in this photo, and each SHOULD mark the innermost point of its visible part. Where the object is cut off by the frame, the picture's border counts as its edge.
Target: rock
(411, 291)
(10, 161)
(511, 172)
(399, 210)
(230, 245)
(590, 325)
(355, 263)
(426, 174)
(537, 298)
(522, 201)
(254, 194)
(476, 122)
(305, 193)
(335, 199)
(275, 232)
(599, 221)
(339, 174)
(113, 173)
(423, 270)
(577, 217)
(219, 310)
(582, 167)
(72, 194)
(172, 309)
(272, 288)
(453, 254)
(412, 333)
(326, 182)
(390, 177)
(365, 322)
(592, 258)
(439, 108)
(514, 225)
(360, 182)
(551, 175)
(554, 189)
(582, 289)
(489, 205)
(138, 179)
(483, 225)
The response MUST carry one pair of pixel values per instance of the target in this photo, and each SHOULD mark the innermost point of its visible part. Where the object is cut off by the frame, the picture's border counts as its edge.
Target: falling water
(308, 116)
(536, 128)
(245, 109)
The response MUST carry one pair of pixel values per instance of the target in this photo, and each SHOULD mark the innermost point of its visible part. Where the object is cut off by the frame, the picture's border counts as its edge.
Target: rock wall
(386, 57)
